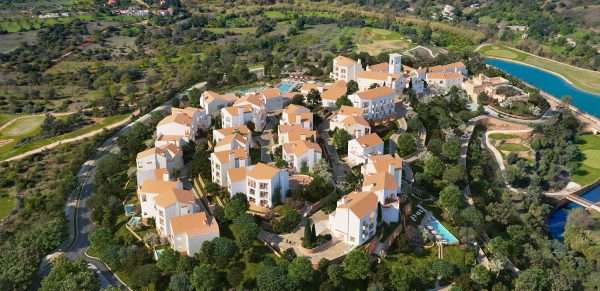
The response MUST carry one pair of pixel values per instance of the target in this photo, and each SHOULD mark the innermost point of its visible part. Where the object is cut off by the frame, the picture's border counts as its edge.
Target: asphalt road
(78, 242)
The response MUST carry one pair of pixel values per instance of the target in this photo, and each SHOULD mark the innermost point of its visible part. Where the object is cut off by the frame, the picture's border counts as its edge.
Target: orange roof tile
(298, 148)
(349, 110)
(360, 203)
(380, 181)
(451, 75)
(382, 162)
(376, 92)
(233, 110)
(334, 93)
(210, 96)
(150, 151)
(230, 138)
(308, 87)
(157, 186)
(250, 98)
(238, 154)
(242, 129)
(237, 174)
(344, 61)
(179, 118)
(169, 198)
(382, 67)
(262, 171)
(458, 65)
(352, 120)
(270, 92)
(194, 225)
(369, 140)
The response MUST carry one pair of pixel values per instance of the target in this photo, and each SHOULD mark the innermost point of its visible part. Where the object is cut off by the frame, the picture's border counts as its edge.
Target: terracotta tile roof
(339, 83)
(238, 154)
(173, 149)
(298, 148)
(451, 75)
(379, 181)
(237, 174)
(230, 138)
(211, 96)
(349, 110)
(360, 203)
(382, 67)
(178, 118)
(442, 68)
(262, 171)
(160, 172)
(308, 87)
(151, 151)
(334, 93)
(189, 111)
(376, 92)
(250, 99)
(169, 137)
(290, 95)
(270, 92)
(194, 225)
(352, 120)
(344, 61)
(293, 108)
(242, 129)
(382, 162)
(295, 132)
(233, 110)
(157, 186)
(369, 140)
(169, 198)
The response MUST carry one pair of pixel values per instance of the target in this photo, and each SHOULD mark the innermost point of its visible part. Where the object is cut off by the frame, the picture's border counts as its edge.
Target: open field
(581, 78)
(20, 22)
(375, 41)
(11, 41)
(512, 147)
(501, 136)
(23, 127)
(237, 30)
(589, 169)
(8, 150)
(7, 202)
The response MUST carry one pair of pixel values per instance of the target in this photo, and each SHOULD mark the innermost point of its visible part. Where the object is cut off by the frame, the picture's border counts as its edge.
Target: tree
(289, 254)
(308, 235)
(580, 218)
(401, 280)
(406, 144)
(342, 101)
(335, 275)
(179, 282)
(321, 169)
(434, 167)
(314, 98)
(298, 99)
(340, 140)
(451, 198)
(70, 275)
(204, 277)
(236, 207)
(167, 262)
(481, 275)
(300, 273)
(532, 279)
(472, 215)
(351, 87)
(248, 230)
(304, 166)
(356, 264)
(456, 174)
(251, 126)
(271, 278)
(224, 250)
(451, 149)
(441, 268)
(145, 275)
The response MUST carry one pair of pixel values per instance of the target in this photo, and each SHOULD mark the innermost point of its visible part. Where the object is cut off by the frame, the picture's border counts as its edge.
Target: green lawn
(7, 203)
(5, 118)
(8, 150)
(23, 127)
(502, 136)
(238, 30)
(512, 147)
(461, 259)
(589, 169)
(583, 79)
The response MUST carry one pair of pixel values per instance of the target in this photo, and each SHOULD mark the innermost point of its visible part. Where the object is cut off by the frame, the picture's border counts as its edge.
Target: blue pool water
(551, 84)
(158, 253)
(128, 209)
(284, 88)
(558, 219)
(244, 91)
(443, 231)
(134, 219)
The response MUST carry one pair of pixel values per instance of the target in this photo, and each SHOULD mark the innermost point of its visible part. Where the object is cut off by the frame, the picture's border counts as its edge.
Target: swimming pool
(158, 253)
(284, 88)
(443, 231)
(134, 220)
(128, 209)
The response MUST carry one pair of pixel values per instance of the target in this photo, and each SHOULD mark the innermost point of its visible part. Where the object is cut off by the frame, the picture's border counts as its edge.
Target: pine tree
(313, 234)
(308, 232)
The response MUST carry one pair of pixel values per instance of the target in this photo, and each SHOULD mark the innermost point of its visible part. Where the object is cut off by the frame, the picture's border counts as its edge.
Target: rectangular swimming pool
(284, 88)
(443, 231)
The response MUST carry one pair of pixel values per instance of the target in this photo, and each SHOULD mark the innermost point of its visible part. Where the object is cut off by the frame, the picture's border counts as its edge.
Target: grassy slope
(589, 169)
(512, 147)
(7, 202)
(583, 79)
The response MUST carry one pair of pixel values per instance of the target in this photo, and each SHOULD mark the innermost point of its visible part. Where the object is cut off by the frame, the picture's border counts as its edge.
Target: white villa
(299, 152)
(262, 184)
(383, 176)
(457, 67)
(297, 114)
(181, 126)
(149, 190)
(345, 69)
(350, 119)
(290, 133)
(386, 74)
(246, 109)
(354, 220)
(171, 203)
(200, 119)
(232, 142)
(272, 98)
(482, 83)
(377, 103)
(168, 156)
(189, 232)
(360, 149)
(220, 162)
(219, 134)
(213, 102)
(444, 81)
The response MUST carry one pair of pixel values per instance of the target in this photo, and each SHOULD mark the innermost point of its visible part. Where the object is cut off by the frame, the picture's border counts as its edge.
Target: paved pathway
(339, 167)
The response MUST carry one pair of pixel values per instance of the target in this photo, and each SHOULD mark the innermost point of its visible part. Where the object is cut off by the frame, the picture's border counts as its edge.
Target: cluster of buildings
(178, 216)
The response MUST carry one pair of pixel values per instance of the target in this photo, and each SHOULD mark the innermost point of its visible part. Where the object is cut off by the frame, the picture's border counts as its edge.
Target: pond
(551, 84)
(558, 219)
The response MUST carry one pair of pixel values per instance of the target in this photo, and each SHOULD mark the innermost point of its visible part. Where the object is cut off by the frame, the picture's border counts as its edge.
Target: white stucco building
(272, 98)
(360, 149)
(354, 220)
(299, 152)
(232, 142)
(219, 134)
(212, 102)
(168, 156)
(172, 203)
(289, 133)
(149, 190)
(444, 81)
(246, 109)
(350, 119)
(345, 69)
(377, 103)
(297, 114)
(262, 184)
(190, 231)
(220, 162)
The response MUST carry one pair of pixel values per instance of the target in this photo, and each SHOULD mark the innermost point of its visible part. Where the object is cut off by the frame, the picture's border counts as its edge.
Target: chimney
(240, 111)
(391, 169)
(166, 176)
(343, 200)
(303, 137)
(231, 157)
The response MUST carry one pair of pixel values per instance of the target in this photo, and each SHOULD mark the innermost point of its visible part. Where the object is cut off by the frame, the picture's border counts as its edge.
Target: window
(264, 185)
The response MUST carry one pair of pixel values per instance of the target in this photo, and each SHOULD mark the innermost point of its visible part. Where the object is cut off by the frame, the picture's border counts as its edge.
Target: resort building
(172, 203)
(200, 119)
(289, 133)
(416, 78)
(350, 119)
(272, 97)
(332, 93)
(457, 67)
(220, 162)
(345, 69)
(496, 88)
(247, 109)
(179, 127)
(377, 103)
(262, 184)
(169, 157)
(219, 134)
(390, 75)
(232, 142)
(354, 220)
(360, 149)
(300, 153)
(384, 163)
(297, 114)
(189, 232)
(213, 102)
(444, 81)
(385, 188)
(149, 190)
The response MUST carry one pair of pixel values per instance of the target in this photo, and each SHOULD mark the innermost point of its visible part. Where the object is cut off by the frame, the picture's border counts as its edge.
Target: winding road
(76, 245)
